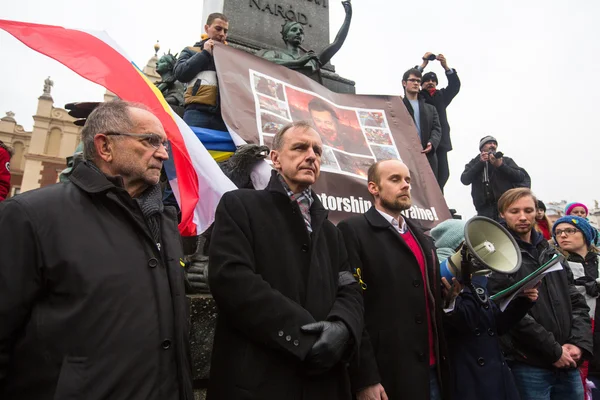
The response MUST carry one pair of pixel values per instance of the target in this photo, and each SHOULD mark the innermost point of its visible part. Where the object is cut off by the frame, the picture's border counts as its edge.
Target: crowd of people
(92, 297)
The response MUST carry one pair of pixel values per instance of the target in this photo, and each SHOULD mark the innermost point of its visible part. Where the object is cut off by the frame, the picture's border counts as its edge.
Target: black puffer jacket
(509, 175)
(559, 316)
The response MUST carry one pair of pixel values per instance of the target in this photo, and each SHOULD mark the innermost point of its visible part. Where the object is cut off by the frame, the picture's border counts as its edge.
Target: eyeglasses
(414, 80)
(151, 138)
(568, 231)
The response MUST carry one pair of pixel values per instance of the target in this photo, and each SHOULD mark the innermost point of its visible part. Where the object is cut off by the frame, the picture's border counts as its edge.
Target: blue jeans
(434, 386)
(204, 119)
(543, 384)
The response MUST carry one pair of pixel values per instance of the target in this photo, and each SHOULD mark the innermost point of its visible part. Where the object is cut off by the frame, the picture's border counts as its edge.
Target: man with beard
(196, 68)
(546, 346)
(327, 124)
(403, 351)
(440, 99)
(490, 174)
(290, 311)
(424, 115)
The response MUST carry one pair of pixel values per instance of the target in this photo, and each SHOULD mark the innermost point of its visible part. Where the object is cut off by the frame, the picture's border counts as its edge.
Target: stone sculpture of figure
(48, 83)
(171, 89)
(308, 62)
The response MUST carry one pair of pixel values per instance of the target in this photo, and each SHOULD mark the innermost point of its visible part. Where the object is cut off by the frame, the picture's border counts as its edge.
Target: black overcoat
(89, 307)
(268, 278)
(395, 347)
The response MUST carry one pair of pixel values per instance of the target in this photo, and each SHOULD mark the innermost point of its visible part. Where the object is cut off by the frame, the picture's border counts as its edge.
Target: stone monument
(256, 25)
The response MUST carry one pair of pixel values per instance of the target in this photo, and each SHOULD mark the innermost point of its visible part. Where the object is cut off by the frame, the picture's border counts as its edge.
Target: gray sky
(528, 70)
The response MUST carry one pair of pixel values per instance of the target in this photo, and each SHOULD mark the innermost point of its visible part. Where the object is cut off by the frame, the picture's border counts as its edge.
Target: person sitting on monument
(327, 124)
(310, 63)
(196, 68)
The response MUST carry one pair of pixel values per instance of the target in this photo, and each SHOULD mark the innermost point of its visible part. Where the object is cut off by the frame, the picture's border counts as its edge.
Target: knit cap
(486, 139)
(541, 205)
(579, 223)
(430, 76)
(448, 236)
(571, 206)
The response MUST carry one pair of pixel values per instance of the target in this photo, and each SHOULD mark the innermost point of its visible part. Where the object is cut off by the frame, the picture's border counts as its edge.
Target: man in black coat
(546, 346)
(490, 174)
(440, 99)
(424, 115)
(403, 350)
(290, 311)
(92, 302)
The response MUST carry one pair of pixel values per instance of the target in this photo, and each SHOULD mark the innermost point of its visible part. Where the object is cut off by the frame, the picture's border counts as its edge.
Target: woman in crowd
(575, 238)
(473, 328)
(543, 224)
(578, 209)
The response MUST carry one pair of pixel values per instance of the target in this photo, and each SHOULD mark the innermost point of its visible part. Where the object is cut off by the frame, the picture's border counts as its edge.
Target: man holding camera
(440, 99)
(490, 174)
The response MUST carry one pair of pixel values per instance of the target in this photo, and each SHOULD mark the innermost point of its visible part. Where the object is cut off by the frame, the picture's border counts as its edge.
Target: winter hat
(571, 206)
(430, 76)
(485, 140)
(581, 224)
(448, 236)
(541, 205)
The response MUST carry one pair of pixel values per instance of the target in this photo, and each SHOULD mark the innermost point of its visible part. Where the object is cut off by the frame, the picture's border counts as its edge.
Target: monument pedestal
(255, 25)
(203, 315)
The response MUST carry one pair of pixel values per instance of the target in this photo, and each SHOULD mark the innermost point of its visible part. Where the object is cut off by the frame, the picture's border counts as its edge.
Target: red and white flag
(200, 183)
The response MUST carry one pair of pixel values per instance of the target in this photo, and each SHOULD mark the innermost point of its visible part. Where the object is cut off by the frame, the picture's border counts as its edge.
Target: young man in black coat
(92, 299)
(403, 350)
(544, 348)
(424, 115)
(440, 99)
(290, 311)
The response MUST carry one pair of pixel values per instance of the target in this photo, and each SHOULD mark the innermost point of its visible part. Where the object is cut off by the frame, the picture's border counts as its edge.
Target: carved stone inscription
(260, 21)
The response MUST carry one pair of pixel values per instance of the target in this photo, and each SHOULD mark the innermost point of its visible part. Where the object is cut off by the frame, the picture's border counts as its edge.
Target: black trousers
(490, 211)
(433, 162)
(443, 170)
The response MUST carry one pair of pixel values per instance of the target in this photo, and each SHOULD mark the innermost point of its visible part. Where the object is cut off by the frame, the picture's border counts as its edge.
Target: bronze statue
(308, 63)
(171, 89)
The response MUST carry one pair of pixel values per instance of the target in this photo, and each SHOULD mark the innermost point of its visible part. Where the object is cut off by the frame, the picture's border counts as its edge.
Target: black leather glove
(329, 347)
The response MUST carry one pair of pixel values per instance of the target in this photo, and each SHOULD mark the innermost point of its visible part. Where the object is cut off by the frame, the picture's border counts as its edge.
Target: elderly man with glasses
(92, 298)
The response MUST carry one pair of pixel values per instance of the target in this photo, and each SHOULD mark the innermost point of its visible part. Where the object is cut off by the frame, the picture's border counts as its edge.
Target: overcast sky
(529, 71)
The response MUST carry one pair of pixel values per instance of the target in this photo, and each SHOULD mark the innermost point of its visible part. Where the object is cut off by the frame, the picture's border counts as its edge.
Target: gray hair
(279, 139)
(111, 116)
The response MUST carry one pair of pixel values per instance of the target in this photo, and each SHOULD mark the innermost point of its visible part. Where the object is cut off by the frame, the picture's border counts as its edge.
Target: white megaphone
(488, 246)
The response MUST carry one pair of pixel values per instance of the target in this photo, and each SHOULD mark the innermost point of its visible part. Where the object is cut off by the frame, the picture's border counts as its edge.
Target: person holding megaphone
(473, 323)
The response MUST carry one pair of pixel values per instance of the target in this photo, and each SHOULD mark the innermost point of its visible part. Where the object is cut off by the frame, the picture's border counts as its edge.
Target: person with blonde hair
(545, 348)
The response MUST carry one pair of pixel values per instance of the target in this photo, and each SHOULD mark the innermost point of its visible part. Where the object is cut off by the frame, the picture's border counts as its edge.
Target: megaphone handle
(466, 269)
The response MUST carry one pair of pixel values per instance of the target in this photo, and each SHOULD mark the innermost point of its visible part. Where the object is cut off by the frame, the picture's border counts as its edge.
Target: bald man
(403, 353)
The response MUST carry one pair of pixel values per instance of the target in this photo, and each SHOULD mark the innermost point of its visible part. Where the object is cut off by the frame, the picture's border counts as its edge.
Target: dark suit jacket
(395, 346)
(268, 278)
(431, 130)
